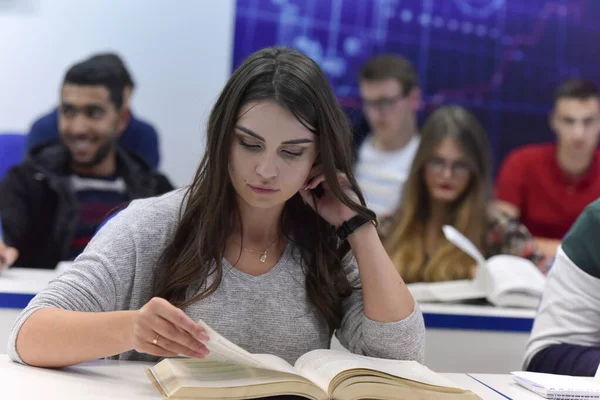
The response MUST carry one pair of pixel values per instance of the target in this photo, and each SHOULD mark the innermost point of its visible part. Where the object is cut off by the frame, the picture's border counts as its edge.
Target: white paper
(222, 349)
(507, 280)
(447, 291)
(463, 243)
(557, 383)
(515, 274)
(321, 366)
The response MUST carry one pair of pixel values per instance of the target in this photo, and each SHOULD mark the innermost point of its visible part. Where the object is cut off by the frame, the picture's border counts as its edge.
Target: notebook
(552, 386)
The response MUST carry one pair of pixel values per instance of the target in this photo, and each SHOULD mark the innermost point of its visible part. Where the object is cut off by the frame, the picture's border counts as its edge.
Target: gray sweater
(269, 313)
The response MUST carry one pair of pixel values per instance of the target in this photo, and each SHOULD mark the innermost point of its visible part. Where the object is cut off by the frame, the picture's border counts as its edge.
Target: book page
(502, 273)
(321, 366)
(515, 273)
(446, 291)
(212, 372)
(276, 363)
(223, 350)
(463, 243)
(483, 280)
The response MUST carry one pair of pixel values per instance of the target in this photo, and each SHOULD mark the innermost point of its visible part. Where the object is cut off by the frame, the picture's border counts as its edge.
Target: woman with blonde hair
(450, 184)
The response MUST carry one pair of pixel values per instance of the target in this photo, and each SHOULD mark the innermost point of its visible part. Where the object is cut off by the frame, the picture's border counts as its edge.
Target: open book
(230, 372)
(504, 280)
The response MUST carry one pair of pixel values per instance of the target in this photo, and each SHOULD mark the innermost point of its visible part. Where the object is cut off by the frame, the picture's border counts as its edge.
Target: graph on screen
(499, 58)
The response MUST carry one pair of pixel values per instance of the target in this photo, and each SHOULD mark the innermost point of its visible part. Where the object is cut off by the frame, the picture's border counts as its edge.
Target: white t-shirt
(381, 174)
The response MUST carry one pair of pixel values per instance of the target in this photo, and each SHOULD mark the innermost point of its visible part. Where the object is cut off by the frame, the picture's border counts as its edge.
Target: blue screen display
(500, 58)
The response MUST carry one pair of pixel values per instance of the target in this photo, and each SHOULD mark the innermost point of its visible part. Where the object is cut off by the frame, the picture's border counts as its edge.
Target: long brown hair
(406, 242)
(208, 217)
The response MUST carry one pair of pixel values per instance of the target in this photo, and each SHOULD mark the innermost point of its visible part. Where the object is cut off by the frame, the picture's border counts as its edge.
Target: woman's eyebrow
(249, 132)
(298, 141)
(257, 136)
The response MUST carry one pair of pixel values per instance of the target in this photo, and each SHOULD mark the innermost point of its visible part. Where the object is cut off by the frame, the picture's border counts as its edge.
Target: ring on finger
(155, 340)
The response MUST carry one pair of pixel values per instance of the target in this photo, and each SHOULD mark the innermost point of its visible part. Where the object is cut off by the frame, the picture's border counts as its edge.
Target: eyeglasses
(382, 103)
(459, 169)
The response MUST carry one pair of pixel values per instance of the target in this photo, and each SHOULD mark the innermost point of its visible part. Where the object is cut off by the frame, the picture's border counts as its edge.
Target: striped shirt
(96, 197)
(381, 174)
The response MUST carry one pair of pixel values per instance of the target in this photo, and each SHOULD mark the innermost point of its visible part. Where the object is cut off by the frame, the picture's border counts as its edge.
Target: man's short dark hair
(97, 73)
(579, 89)
(389, 66)
(115, 61)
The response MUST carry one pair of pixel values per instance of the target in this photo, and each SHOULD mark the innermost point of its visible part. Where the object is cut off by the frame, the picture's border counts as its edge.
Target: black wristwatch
(348, 227)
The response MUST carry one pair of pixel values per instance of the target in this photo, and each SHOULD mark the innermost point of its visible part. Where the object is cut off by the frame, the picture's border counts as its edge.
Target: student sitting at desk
(257, 247)
(546, 186)
(566, 333)
(450, 183)
(390, 95)
(53, 202)
(138, 136)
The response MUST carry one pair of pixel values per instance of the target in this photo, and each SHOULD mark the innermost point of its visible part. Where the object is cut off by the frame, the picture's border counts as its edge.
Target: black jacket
(39, 210)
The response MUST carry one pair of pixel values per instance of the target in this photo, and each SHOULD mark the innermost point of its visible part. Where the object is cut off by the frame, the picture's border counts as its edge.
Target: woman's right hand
(163, 330)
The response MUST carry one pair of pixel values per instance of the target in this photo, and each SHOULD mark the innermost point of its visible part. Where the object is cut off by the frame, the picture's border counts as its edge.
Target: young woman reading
(271, 245)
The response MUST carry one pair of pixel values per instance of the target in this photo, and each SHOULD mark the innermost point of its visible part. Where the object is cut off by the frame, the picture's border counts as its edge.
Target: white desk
(116, 380)
(460, 338)
(19, 285)
(467, 382)
(468, 338)
(95, 380)
(17, 288)
(506, 385)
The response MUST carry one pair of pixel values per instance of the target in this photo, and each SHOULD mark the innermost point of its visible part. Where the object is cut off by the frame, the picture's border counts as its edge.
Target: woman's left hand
(328, 206)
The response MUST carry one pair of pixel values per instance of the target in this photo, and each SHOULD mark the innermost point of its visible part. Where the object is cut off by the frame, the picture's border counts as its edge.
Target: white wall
(178, 51)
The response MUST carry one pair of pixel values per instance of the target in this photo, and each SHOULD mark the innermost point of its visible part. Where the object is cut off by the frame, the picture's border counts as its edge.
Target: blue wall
(500, 58)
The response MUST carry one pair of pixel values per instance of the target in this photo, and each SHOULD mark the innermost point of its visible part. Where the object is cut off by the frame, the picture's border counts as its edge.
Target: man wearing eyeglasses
(390, 96)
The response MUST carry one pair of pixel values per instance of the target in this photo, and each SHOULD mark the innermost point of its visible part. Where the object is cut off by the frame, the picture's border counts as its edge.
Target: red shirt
(549, 200)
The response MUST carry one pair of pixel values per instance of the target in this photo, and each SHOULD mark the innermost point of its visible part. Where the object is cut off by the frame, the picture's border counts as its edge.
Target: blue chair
(12, 149)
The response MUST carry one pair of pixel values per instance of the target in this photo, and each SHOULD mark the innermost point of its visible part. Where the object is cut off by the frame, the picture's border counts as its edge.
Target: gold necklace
(263, 255)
